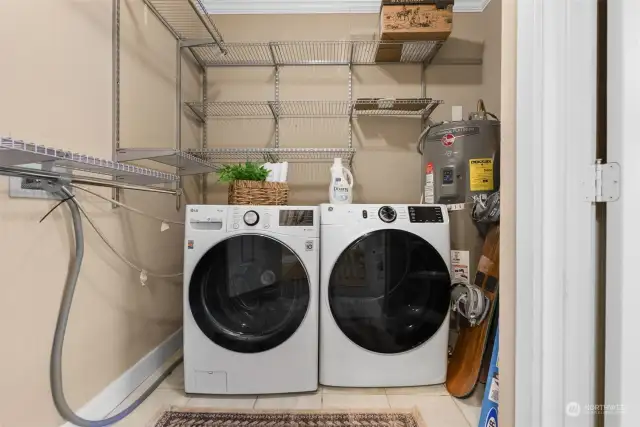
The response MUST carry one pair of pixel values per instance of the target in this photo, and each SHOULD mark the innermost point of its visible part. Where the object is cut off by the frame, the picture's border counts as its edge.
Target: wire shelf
(248, 109)
(187, 19)
(16, 153)
(348, 52)
(406, 107)
(185, 163)
(292, 155)
(413, 107)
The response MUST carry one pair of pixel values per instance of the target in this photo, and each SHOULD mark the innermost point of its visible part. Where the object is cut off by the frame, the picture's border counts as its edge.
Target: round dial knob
(387, 214)
(251, 218)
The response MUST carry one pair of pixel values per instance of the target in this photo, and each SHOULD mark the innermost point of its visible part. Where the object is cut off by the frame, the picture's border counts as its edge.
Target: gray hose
(61, 326)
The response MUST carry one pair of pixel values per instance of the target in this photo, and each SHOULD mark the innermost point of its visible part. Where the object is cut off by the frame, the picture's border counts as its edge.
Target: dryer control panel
(429, 214)
(391, 215)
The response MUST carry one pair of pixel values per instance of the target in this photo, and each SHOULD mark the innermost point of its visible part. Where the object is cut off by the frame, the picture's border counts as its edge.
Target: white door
(556, 283)
(622, 351)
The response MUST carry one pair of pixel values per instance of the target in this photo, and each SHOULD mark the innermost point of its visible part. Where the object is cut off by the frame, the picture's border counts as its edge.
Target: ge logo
(330, 209)
(573, 409)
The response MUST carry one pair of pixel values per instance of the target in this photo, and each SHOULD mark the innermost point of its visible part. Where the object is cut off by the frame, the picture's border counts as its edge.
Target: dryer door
(249, 293)
(389, 291)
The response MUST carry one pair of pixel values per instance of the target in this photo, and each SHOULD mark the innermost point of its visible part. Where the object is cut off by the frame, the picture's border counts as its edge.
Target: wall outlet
(30, 188)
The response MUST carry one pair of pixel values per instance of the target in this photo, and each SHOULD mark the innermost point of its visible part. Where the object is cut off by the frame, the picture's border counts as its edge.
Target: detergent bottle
(341, 188)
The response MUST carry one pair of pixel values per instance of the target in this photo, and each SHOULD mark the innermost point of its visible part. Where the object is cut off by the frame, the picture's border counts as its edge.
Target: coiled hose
(55, 366)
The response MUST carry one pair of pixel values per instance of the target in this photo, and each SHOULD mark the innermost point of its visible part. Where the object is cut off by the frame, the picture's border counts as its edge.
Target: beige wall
(56, 89)
(55, 85)
(508, 217)
(387, 165)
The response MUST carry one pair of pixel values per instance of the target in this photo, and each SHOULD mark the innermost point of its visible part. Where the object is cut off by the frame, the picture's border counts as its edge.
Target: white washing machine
(251, 299)
(385, 287)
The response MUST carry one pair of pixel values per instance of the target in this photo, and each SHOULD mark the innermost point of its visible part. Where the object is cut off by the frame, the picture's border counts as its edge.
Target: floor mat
(185, 417)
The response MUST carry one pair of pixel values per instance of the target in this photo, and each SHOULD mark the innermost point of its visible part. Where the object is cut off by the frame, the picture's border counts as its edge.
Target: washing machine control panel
(287, 220)
(425, 214)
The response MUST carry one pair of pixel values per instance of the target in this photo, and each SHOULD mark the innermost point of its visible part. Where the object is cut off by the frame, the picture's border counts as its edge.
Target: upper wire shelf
(187, 19)
(409, 107)
(347, 52)
(17, 153)
(185, 163)
(220, 156)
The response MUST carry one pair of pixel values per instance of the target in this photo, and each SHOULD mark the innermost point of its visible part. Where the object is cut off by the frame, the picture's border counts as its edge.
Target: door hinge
(602, 183)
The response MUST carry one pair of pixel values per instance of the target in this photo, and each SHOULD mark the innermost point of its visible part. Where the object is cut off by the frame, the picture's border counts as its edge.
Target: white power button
(236, 226)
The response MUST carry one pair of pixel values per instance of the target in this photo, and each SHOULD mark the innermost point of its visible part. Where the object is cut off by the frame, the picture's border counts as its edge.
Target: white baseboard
(112, 395)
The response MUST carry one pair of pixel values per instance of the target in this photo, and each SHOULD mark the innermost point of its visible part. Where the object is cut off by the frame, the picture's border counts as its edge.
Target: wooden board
(466, 361)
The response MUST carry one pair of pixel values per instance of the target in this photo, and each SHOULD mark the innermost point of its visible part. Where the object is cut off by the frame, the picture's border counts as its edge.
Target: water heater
(461, 164)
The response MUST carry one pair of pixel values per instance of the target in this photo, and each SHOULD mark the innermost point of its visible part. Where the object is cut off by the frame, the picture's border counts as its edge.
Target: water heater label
(456, 132)
(481, 175)
(460, 266)
(429, 193)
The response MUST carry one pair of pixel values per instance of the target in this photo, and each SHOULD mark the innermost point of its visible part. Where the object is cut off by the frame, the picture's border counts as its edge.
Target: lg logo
(193, 210)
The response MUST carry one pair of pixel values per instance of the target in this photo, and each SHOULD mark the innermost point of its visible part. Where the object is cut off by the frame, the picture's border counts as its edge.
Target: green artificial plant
(243, 172)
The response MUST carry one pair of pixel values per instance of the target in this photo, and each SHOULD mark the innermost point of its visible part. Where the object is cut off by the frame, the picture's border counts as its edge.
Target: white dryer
(251, 299)
(385, 287)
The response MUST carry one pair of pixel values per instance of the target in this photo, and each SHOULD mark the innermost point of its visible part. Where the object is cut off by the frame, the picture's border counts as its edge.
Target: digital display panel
(296, 218)
(425, 214)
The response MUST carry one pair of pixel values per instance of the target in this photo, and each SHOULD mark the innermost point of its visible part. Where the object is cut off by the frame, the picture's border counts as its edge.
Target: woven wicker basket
(258, 193)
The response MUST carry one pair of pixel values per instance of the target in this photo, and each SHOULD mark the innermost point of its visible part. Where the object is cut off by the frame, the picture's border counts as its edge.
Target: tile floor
(438, 409)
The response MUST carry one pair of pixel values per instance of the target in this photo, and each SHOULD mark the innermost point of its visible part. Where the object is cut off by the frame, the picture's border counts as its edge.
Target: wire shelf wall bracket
(15, 153)
(185, 163)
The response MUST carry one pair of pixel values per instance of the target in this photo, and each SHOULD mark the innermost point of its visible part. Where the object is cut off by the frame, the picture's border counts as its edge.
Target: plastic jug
(341, 187)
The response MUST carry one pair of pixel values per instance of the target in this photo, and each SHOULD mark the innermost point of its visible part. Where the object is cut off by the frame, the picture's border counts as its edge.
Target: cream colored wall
(55, 86)
(508, 217)
(387, 166)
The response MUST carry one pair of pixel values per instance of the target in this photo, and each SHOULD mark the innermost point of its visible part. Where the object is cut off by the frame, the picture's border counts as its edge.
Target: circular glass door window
(389, 291)
(249, 293)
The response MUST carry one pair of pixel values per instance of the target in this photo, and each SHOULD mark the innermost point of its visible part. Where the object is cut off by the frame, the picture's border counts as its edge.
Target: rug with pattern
(177, 417)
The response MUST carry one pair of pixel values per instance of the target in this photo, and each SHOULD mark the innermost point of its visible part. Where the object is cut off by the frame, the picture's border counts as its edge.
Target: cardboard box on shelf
(415, 22)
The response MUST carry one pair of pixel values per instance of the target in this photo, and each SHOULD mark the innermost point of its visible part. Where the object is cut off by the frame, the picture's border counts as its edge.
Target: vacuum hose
(61, 326)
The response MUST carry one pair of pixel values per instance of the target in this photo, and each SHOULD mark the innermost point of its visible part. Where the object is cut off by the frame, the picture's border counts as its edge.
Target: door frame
(622, 372)
(556, 280)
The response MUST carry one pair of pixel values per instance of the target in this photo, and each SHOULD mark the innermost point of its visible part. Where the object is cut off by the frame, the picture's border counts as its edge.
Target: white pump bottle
(341, 188)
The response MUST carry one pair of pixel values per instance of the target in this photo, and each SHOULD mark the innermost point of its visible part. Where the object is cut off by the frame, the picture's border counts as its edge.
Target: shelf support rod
(115, 96)
(423, 94)
(205, 177)
(350, 95)
(178, 125)
(423, 82)
(276, 111)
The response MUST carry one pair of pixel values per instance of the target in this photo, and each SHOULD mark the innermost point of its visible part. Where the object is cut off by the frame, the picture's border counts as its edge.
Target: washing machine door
(249, 293)
(389, 291)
